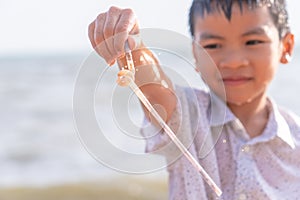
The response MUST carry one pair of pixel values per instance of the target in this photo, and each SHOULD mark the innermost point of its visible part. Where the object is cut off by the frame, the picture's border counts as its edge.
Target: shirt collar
(276, 127)
(220, 114)
(281, 127)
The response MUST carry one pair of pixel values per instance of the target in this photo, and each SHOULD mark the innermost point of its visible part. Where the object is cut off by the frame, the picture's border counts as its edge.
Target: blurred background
(42, 46)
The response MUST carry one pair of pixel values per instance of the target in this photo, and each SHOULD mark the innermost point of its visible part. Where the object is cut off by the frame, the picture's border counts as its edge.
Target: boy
(256, 155)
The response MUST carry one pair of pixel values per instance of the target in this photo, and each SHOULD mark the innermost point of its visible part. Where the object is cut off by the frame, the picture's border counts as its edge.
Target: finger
(101, 46)
(91, 30)
(99, 24)
(112, 18)
(125, 25)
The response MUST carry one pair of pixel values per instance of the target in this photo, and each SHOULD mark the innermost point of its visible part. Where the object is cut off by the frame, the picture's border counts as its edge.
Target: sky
(60, 26)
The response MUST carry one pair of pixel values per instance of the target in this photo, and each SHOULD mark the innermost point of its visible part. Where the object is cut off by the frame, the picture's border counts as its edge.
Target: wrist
(147, 68)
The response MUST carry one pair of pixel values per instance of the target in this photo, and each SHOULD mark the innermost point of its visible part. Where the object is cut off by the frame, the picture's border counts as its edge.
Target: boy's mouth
(236, 80)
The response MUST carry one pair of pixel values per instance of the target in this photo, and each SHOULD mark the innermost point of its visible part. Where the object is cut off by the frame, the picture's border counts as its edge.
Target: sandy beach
(125, 188)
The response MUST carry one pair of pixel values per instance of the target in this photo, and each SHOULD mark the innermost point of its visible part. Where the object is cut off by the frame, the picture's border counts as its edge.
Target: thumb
(134, 41)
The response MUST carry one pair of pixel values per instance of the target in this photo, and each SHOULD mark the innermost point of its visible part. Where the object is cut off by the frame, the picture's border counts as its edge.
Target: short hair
(277, 10)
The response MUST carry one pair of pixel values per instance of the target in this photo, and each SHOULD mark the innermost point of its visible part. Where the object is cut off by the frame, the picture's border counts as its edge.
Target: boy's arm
(108, 33)
(153, 82)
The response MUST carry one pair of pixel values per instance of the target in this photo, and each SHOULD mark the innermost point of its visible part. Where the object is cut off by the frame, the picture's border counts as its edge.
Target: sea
(40, 143)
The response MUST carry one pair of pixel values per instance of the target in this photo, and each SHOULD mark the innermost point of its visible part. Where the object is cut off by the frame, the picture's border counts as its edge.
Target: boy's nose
(233, 59)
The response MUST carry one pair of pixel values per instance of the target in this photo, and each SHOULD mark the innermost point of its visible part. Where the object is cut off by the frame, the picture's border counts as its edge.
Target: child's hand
(109, 31)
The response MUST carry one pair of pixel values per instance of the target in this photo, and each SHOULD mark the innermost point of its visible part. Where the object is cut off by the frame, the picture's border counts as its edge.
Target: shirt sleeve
(155, 136)
(158, 141)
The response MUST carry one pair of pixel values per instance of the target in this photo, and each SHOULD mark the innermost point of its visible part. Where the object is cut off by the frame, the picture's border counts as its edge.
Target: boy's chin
(238, 101)
(236, 98)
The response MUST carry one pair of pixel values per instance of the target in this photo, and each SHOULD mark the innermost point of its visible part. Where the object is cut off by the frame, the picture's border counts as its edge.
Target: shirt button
(242, 197)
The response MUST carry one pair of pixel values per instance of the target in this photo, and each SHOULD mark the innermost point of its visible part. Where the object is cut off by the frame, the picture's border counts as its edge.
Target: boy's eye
(254, 42)
(211, 46)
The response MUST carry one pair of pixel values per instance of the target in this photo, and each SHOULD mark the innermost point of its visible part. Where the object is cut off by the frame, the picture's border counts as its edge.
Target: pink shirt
(264, 167)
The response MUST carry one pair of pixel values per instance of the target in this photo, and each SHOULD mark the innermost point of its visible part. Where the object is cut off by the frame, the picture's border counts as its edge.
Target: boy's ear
(288, 47)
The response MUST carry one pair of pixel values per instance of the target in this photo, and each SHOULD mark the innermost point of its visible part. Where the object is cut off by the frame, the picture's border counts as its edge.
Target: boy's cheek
(211, 75)
(202, 58)
(206, 66)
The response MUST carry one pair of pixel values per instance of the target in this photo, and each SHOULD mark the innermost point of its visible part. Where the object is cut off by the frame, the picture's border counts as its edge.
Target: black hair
(277, 10)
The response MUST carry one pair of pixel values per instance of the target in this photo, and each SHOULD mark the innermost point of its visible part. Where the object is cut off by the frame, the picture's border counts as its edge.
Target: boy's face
(245, 51)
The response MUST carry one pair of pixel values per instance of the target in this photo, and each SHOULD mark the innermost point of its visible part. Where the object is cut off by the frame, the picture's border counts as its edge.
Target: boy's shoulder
(197, 101)
(204, 105)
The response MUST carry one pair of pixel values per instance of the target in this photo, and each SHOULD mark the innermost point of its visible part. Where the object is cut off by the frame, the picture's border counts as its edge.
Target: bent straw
(126, 77)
